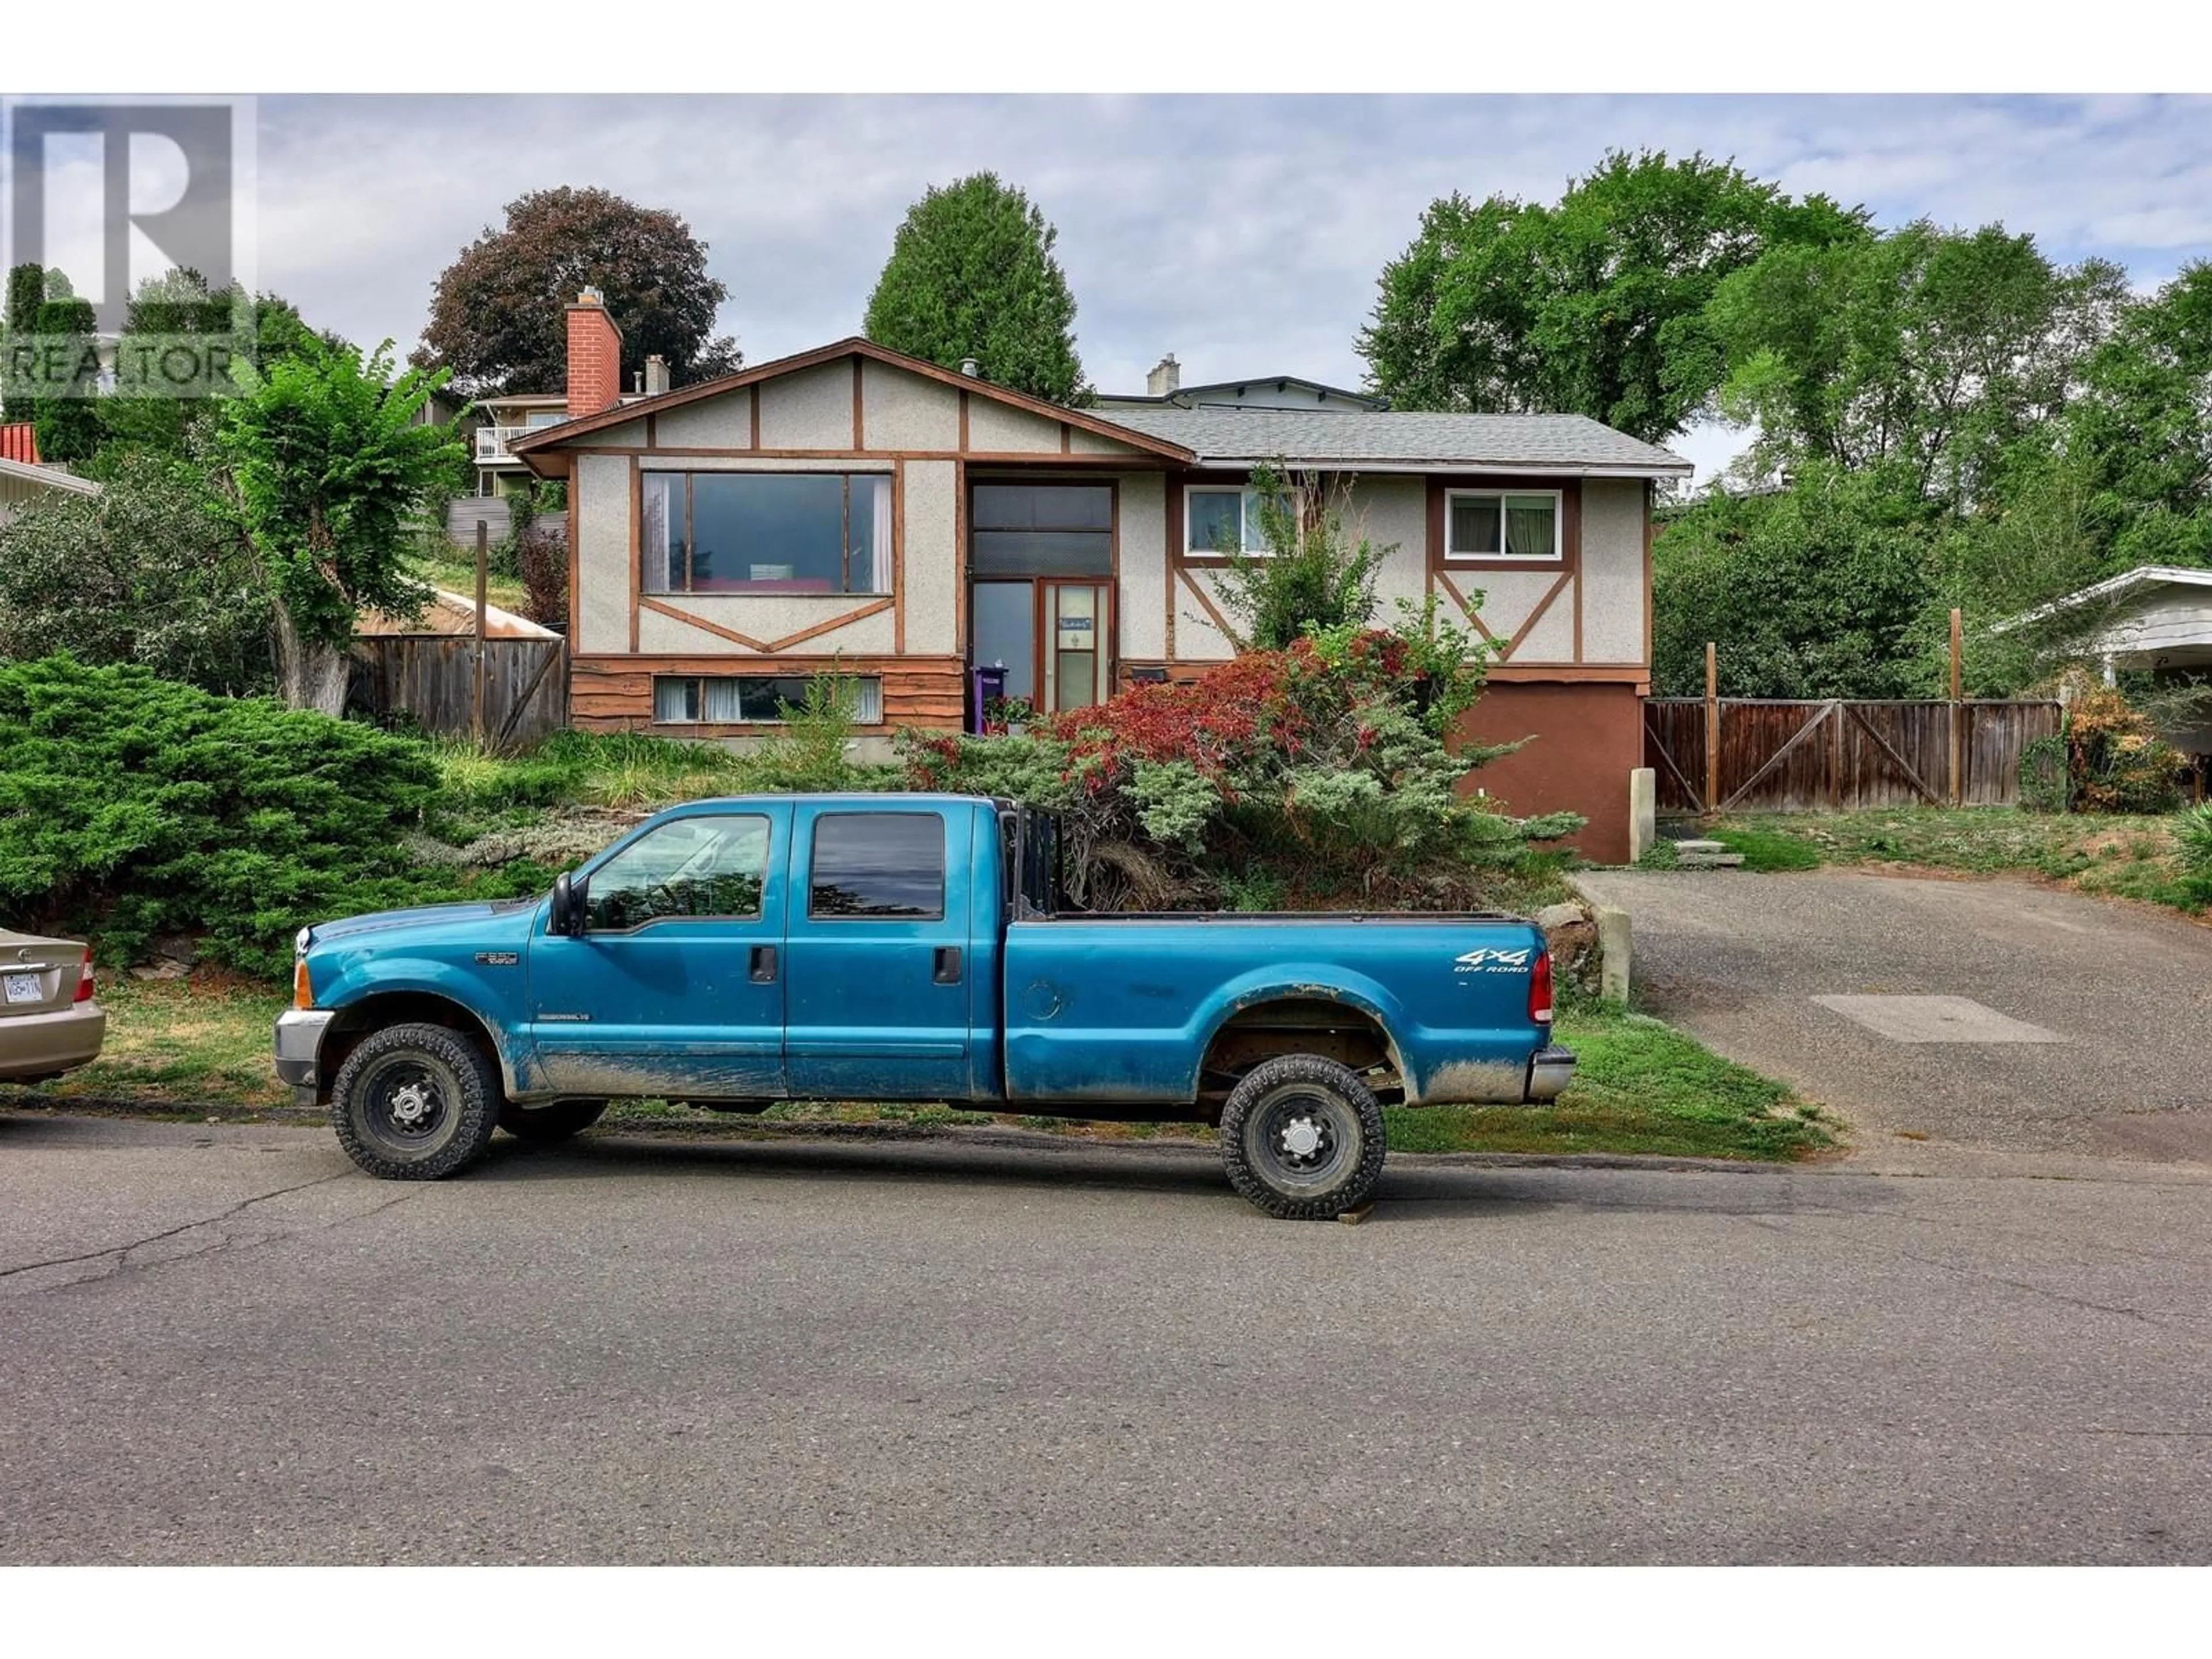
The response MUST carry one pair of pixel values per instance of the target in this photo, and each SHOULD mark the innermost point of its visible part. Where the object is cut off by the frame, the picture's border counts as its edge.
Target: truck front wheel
(1301, 1137)
(415, 1102)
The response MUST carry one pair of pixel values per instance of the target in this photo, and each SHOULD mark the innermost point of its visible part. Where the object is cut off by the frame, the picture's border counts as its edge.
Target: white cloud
(1245, 234)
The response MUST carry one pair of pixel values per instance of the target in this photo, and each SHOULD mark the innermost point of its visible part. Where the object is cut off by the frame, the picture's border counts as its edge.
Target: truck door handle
(763, 965)
(948, 965)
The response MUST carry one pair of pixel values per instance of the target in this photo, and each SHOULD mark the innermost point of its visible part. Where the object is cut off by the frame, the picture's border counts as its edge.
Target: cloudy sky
(1243, 232)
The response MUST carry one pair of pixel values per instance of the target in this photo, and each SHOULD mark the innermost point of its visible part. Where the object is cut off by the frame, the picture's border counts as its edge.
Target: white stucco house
(2155, 619)
(853, 507)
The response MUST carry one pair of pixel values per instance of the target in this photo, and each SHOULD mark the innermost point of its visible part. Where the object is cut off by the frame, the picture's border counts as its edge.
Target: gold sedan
(49, 1021)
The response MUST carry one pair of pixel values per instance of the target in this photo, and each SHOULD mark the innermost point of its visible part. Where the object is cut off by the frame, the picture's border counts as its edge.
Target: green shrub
(2047, 784)
(2192, 841)
(131, 806)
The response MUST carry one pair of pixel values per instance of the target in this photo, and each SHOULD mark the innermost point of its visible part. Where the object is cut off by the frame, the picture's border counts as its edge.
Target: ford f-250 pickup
(733, 953)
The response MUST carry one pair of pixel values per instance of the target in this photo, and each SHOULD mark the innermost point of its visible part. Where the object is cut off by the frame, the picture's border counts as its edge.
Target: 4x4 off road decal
(1490, 960)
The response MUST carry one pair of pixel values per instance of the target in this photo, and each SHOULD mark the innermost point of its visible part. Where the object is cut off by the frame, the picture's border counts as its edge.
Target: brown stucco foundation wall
(1589, 736)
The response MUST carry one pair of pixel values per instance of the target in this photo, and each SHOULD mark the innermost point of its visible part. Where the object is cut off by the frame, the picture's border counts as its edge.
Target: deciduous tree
(498, 317)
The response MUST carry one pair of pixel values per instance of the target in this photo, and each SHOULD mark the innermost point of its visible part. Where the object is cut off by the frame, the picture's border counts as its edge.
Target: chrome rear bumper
(1551, 1068)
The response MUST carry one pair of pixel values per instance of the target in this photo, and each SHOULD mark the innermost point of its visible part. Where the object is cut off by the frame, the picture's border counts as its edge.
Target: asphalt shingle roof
(1317, 437)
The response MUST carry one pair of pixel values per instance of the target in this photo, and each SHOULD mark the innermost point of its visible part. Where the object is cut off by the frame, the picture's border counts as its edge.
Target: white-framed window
(1216, 516)
(749, 699)
(1504, 524)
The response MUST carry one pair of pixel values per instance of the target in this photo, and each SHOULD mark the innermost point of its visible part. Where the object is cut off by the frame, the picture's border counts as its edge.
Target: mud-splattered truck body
(736, 952)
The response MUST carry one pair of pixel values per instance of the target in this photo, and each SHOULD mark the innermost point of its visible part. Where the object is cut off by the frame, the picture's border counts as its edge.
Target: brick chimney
(656, 376)
(594, 356)
(1165, 378)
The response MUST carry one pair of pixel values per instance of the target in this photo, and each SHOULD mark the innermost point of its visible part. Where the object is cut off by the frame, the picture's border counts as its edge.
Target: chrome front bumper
(300, 1045)
(1551, 1068)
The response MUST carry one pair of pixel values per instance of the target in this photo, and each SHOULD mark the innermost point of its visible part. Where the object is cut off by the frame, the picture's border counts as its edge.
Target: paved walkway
(1991, 1014)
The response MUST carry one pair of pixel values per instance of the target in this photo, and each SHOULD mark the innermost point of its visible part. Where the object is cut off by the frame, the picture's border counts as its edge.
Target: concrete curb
(1616, 954)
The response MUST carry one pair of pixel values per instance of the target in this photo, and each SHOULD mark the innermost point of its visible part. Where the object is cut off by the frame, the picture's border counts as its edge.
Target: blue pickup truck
(733, 953)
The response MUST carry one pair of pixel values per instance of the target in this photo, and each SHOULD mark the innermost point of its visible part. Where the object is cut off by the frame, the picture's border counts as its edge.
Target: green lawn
(2120, 856)
(200, 1046)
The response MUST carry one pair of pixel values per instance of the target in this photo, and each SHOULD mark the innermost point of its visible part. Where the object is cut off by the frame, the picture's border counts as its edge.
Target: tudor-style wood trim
(1111, 649)
(1170, 533)
(1066, 443)
(1081, 461)
(960, 566)
(636, 543)
(963, 421)
(1529, 621)
(856, 347)
(1452, 588)
(766, 647)
(1570, 673)
(652, 432)
(898, 555)
(860, 422)
(575, 560)
(1650, 493)
(1206, 603)
(753, 392)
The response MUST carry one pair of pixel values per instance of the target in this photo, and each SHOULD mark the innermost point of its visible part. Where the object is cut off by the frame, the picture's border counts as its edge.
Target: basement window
(749, 699)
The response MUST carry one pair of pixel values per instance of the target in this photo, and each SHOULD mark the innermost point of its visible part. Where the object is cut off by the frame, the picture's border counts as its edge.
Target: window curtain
(879, 544)
(1528, 530)
(657, 490)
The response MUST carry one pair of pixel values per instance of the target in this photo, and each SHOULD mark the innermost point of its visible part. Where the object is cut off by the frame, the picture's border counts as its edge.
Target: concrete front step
(1700, 847)
(1707, 860)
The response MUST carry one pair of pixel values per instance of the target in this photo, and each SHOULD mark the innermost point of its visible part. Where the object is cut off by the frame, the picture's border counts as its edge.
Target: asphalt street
(222, 1344)
(2119, 998)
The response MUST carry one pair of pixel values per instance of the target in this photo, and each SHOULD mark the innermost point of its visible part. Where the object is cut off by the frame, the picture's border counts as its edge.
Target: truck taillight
(1539, 989)
(84, 978)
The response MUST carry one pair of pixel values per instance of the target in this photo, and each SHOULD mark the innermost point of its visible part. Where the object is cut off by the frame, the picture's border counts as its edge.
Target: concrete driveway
(1992, 1014)
(225, 1344)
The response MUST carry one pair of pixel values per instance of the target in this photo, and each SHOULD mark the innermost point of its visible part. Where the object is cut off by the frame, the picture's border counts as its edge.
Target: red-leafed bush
(1312, 769)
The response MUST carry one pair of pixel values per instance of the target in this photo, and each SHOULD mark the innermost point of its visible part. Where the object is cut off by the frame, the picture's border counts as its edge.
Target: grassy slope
(191, 1046)
(2126, 857)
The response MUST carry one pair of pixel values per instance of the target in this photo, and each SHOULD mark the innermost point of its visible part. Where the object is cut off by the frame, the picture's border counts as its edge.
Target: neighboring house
(1164, 389)
(2155, 619)
(19, 442)
(853, 508)
(23, 483)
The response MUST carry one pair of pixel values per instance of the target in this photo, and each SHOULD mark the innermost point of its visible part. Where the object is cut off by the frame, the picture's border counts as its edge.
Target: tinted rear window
(878, 864)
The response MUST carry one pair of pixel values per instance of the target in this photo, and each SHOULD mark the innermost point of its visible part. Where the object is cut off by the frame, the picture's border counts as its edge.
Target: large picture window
(767, 532)
(1502, 524)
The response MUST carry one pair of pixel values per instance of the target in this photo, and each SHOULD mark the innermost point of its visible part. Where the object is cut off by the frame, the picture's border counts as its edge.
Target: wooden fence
(1779, 757)
(432, 677)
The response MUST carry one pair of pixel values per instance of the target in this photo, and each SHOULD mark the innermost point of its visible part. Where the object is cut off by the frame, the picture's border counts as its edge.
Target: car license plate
(25, 988)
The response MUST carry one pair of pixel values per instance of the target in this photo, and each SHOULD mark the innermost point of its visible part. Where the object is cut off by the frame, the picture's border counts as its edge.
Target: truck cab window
(689, 867)
(884, 864)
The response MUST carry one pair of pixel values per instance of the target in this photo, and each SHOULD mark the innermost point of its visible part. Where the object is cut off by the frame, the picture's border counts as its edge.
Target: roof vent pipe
(967, 367)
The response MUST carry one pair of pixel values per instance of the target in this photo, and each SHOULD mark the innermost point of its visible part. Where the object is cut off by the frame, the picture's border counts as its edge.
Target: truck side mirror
(568, 897)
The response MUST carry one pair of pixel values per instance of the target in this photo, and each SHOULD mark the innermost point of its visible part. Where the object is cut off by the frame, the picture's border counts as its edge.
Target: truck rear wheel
(415, 1102)
(543, 1125)
(1301, 1137)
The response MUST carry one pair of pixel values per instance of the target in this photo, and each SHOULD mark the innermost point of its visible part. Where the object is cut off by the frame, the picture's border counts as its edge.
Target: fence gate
(1762, 755)
(432, 678)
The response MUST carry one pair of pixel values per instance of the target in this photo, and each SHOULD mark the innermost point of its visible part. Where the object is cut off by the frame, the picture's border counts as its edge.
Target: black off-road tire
(443, 1077)
(541, 1125)
(1273, 1100)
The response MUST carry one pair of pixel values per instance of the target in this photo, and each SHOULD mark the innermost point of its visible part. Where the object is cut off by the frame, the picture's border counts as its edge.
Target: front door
(1076, 628)
(880, 979)
(676, 988)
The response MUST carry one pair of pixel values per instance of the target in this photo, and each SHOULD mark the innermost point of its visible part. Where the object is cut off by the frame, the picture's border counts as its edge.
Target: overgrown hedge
(131, 806)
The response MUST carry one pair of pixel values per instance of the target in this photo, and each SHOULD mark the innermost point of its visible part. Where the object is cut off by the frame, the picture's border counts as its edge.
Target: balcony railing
(492, 441)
